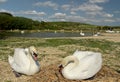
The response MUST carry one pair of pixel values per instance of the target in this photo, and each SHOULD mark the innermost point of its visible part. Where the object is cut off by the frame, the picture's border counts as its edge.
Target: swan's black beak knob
(35, 54)
(60, 69)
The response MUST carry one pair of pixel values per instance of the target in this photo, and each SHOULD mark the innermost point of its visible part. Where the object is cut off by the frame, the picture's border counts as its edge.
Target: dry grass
(51, 54)
(49, 73)
(49, 70)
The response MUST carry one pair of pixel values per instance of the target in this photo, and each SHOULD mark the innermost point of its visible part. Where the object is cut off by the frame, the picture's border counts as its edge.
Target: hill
(10, 22)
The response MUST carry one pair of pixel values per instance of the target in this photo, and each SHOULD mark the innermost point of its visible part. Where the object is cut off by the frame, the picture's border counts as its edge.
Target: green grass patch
(7, 45)
(109, 49)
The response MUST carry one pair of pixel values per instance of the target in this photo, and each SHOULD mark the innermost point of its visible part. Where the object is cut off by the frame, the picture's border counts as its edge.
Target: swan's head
(33, 52)
(67, 60)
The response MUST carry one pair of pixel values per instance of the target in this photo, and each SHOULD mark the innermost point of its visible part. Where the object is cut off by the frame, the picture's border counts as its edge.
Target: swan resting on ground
(81, 65)
(24, 61)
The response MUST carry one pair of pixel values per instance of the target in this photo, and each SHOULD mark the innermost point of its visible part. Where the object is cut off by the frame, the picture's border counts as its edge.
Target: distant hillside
(8, 22)
(70, 25)
(5, 13)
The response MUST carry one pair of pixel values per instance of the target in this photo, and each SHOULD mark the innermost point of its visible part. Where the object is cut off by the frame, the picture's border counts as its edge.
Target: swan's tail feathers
(10, 59)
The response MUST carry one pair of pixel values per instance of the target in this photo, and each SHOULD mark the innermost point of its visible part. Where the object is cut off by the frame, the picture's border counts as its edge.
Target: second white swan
(81, 65)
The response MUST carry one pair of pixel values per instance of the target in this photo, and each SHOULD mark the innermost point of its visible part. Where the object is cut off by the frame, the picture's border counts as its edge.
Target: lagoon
(48, 34)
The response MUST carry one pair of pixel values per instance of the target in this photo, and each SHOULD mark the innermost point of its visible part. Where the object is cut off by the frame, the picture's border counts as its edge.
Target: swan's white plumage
(23, 62)
(82, 34)
(89, 63)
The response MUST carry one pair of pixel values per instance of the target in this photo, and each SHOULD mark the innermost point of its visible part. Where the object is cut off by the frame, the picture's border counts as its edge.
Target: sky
(97, 12)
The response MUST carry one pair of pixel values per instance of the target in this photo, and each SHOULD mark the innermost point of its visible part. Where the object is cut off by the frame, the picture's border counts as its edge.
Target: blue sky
(97, 12)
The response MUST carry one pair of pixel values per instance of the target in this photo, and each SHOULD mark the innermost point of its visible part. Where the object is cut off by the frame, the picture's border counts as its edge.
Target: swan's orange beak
(35, 56)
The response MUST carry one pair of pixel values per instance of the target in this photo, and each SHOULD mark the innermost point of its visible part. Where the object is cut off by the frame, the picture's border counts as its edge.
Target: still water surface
(49, 34)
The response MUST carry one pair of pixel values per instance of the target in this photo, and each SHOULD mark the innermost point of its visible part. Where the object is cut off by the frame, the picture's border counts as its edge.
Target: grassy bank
(110, 50)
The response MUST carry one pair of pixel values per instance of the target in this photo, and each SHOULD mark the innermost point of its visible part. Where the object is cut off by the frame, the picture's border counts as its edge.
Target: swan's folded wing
(20, 57)
(13, 64)
(80, 54)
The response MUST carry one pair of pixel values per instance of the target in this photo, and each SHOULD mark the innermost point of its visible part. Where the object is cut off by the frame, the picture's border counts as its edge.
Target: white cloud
(100, 13)
(92, 9)
(31, 12)
(88, 7)
(34, 13)
(3, 10)
(92, 13)
(47, 4)
(65, 7)
(2, 1)
(98, 1)
(77, 18)
(58, 16)
(73, 18)
(107, 15)
(109, 20)
(73, 13)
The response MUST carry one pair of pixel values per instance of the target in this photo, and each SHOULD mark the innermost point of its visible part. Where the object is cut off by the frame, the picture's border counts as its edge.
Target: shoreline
(115, 37)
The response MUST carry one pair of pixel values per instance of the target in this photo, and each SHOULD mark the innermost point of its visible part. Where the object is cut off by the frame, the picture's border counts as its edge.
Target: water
(50, 34)
(47, 34)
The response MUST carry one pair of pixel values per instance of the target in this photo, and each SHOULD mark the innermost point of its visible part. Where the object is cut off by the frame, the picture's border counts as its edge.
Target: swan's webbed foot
(17, 74)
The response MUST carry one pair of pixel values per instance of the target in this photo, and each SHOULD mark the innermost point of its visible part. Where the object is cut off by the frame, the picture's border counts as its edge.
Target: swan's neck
(81, 31)
(29, 55)
(70, 67)
(31, 58)
(72, 63)
(33, 63)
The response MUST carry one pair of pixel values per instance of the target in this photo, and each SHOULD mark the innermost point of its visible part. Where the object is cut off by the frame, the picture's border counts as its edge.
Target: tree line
(10, 22)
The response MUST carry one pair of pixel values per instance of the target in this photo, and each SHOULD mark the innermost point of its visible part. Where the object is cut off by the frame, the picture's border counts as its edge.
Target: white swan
(97, 34)
(24, 61)
(81, 65)
(81, 33)
(22, 32)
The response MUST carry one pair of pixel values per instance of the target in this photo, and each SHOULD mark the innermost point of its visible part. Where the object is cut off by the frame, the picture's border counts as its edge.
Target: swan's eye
(35, 54)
